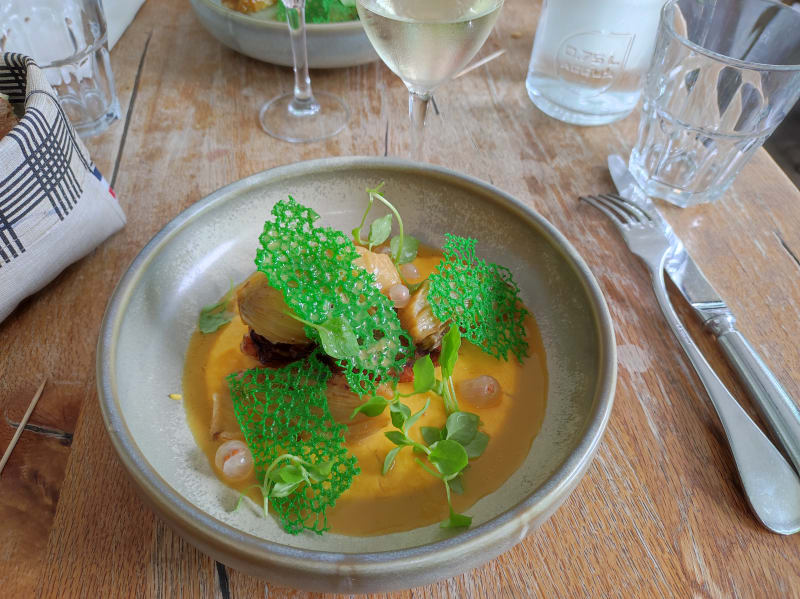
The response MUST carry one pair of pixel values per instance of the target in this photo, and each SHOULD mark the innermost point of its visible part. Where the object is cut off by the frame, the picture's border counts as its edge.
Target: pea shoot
(425, 379)
(292, 474)
(403, 248)
(447, 450)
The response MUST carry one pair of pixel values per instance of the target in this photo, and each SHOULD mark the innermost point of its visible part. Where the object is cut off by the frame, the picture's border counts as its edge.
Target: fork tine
(642, 214)
(602, 206)
(624, 216)
(628, 211)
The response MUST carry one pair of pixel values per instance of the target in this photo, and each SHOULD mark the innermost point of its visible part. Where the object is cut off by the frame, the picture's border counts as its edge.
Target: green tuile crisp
(481, 298)
(312, 267)
(286, 422)
(323, 11)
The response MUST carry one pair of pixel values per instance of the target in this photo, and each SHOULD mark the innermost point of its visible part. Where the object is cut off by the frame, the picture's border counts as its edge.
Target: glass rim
(668, 23)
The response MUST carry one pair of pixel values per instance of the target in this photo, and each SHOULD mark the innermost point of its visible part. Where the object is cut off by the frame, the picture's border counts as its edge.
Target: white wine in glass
(425, 42)
(301, 116)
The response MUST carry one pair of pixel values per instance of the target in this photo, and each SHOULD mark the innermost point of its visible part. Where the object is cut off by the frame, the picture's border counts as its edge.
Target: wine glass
(302, 116)
(425, 43)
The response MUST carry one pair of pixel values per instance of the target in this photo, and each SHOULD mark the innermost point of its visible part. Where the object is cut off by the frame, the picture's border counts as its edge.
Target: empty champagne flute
(302, 116)
(425, 43)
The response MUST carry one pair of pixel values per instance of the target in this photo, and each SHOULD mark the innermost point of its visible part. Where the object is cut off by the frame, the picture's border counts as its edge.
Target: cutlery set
(770, 484)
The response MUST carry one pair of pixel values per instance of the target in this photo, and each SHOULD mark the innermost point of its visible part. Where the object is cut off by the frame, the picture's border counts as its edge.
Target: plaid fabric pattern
(55, 205)
(50, 163)
(12, 76)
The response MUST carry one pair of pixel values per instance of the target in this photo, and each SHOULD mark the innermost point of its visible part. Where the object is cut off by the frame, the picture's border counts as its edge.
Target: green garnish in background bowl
(324, 11)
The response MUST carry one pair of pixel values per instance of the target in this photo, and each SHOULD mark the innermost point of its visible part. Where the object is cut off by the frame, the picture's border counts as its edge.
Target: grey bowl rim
(229, 541)
(311, 28)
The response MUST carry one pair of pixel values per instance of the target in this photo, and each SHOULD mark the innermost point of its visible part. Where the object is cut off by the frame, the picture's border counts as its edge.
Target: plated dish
(191, 263)
(260, 36)
(362, 383)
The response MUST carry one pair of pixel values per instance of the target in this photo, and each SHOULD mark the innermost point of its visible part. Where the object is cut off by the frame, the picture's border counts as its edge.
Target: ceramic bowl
(191, 262)
(260, 36)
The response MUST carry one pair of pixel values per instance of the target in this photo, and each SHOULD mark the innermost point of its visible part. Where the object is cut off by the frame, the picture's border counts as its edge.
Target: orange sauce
(406, 497)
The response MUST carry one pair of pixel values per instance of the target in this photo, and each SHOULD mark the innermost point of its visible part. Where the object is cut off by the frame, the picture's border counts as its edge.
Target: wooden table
(660, 512)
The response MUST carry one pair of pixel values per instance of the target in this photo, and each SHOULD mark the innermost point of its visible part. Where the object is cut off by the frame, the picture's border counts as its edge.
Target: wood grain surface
(660, 512)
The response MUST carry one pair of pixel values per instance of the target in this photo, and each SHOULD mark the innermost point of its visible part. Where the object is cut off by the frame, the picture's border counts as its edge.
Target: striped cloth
(55, 206)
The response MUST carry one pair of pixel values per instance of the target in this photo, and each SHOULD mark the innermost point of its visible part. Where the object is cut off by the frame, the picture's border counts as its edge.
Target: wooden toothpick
(21, 426)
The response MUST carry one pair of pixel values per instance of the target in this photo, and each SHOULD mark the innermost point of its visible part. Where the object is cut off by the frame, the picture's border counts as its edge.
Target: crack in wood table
(660, 512)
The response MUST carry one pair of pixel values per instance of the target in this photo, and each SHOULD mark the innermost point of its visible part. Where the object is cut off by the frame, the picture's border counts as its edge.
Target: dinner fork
(770, 484)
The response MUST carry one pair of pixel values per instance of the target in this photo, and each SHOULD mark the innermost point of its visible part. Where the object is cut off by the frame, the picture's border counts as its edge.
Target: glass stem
(303, 102)
(417, 108)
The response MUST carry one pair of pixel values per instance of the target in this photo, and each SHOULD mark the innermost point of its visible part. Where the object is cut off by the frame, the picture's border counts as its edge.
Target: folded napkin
(119, 14)
(55, 206)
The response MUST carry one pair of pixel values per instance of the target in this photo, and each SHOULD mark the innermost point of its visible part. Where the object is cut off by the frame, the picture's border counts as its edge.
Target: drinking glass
(68, 39)
(723, 76)
(302, 116)
(589, 58)
(425, 42)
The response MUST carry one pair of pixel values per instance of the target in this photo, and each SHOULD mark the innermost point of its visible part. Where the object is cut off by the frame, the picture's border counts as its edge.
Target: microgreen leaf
(320, 471)
(448, 456)
(409, 251)
(456, 520)
(211, 321)
(372, 407)
(291, 473)
(462, 427)
(284, 489)
(450, 345)
(380, 230)
(413, 419)
(337, 337)
(430, 434)
(389, 461)
(424, 377)
(398, 438)
(399, 413)
(215, 315)
(477, 446)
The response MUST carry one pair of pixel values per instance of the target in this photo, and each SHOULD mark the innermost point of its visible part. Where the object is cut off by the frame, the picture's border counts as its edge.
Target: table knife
(776, 407)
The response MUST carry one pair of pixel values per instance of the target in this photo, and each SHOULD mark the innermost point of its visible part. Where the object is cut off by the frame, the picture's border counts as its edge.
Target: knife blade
(777, 408)
(680, 266)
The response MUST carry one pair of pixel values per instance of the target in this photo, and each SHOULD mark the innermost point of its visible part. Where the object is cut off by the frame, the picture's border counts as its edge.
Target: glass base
(295, 121)
(94, 127)
(674, 195)
(568, 115)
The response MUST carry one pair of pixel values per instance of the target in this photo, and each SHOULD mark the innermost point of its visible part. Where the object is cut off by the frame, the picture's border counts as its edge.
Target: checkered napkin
(55, 206)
